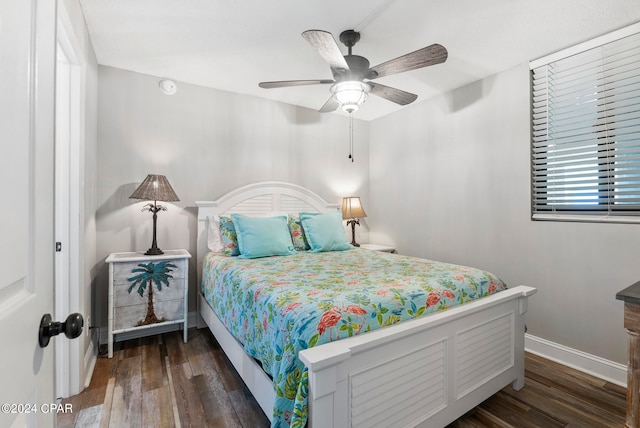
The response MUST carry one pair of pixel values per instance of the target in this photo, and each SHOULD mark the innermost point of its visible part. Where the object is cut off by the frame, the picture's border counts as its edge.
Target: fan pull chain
(351, 137)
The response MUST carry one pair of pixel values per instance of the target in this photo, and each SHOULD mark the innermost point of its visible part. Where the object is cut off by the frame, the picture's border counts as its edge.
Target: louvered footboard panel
(413, 386)
(483, 352)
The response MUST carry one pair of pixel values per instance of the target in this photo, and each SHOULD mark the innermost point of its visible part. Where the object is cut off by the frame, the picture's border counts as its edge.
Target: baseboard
(90, 358)
(104, 331)
(587, 363)
(192, 319)
(582, 361)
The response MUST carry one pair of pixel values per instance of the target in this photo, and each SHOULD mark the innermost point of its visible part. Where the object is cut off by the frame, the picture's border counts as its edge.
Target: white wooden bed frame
(425, 372)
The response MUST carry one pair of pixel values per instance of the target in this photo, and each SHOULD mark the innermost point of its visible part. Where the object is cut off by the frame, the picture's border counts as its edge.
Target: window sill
(587, 218)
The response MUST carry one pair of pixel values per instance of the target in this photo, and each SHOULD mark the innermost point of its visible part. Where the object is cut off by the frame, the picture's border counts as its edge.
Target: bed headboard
(256, 199)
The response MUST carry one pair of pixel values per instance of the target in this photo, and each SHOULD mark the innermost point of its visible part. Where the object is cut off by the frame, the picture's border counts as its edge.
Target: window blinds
(585, 131)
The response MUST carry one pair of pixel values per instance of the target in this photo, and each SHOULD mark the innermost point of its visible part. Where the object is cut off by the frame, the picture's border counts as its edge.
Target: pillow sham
(228, 237)
(262, 236)
(214, 239)
(298, 236)
(324, 231)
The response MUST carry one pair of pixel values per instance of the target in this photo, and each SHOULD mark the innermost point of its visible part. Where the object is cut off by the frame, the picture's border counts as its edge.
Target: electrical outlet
(87, 326)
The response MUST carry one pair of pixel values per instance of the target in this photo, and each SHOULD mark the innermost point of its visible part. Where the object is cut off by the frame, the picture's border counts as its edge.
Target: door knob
(71, 327)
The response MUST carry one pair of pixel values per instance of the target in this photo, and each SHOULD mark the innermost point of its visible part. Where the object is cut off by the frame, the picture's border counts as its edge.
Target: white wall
(449, 180)
(207, 142)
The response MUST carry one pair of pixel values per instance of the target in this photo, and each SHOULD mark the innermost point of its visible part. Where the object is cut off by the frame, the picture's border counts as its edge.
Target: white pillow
(214, 240)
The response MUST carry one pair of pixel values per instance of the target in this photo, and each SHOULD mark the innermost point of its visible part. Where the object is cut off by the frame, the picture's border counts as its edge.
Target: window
(585, 131)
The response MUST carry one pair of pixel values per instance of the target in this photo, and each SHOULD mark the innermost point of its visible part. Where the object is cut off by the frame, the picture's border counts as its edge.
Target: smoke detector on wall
(167, 86)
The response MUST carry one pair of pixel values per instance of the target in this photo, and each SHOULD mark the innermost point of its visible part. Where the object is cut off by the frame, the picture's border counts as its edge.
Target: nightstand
(147, 292)
(376, 247)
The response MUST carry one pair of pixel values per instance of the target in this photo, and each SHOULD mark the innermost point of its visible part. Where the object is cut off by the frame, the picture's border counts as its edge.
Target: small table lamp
(352, 211)
(155, 188)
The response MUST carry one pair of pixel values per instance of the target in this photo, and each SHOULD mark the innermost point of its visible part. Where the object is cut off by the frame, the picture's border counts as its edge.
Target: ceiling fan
(352, 75)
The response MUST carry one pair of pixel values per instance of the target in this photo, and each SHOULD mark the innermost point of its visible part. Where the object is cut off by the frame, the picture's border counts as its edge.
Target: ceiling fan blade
(286, 83)
(392, 94)
(324, 43)
(329, 106)
(430, 55)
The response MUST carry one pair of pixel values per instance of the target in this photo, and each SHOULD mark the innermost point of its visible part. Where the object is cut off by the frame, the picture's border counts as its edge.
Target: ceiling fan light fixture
(350, 94)
(348, 90)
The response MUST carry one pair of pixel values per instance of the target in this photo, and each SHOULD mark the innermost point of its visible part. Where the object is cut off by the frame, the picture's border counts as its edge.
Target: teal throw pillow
(324, 231)
(262, 236)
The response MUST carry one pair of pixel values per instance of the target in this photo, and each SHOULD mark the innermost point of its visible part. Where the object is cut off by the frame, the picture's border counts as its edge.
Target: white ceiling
(234, 45)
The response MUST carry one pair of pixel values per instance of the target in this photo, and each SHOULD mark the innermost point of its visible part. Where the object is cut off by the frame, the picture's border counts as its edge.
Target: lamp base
(153, 251)
(353, 223)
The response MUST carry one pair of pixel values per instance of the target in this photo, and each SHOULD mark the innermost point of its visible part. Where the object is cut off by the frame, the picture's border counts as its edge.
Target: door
(67, 200)
(27, 49)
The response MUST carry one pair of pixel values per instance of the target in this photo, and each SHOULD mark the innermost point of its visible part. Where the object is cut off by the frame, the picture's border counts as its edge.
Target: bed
(426, 371)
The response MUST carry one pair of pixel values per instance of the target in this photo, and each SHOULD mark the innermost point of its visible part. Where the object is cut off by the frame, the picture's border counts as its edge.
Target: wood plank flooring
(159, 381)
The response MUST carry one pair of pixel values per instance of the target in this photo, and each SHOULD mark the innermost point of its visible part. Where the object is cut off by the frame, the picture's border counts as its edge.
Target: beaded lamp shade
(155, 188)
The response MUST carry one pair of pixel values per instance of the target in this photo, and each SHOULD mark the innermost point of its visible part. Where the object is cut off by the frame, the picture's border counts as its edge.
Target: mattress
(278, 306)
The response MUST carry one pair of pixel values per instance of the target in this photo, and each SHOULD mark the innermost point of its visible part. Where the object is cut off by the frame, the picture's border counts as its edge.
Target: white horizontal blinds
(586, 131)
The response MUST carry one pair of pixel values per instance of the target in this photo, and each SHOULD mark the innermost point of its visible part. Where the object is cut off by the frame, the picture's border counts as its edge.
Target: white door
(27, 49)
(67, 201)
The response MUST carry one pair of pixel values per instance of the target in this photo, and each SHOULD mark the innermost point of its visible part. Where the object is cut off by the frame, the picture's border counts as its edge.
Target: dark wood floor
(159, 381)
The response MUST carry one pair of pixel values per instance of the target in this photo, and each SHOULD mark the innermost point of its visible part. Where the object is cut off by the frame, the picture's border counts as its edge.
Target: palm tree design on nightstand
(151, 273)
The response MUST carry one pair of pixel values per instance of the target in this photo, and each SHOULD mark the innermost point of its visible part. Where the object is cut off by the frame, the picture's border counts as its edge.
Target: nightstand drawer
(127, 317)
(124, 271)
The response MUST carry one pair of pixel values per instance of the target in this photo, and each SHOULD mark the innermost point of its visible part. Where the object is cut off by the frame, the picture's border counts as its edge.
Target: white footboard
(427, 372)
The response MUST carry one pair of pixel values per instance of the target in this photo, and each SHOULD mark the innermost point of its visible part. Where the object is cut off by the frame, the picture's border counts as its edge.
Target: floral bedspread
(278, 306)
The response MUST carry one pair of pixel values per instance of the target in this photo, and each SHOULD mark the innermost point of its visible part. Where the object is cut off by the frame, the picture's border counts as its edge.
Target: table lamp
(352, 211)
(155, 188)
